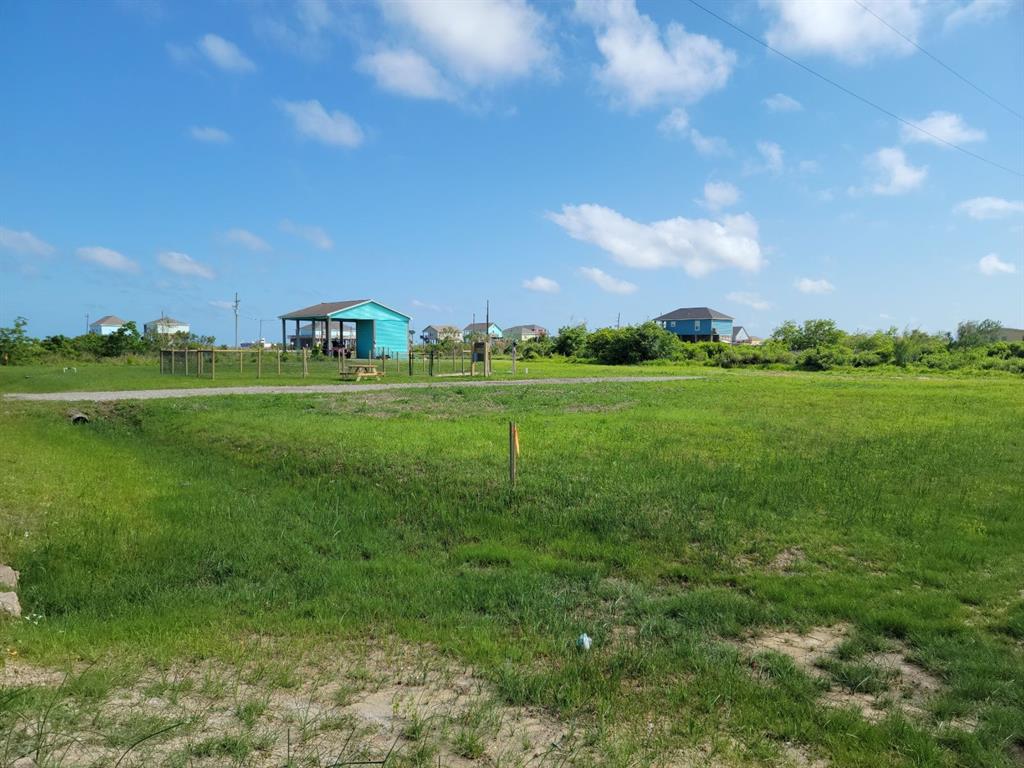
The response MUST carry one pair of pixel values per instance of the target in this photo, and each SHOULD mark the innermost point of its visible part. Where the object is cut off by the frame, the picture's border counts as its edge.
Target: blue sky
(568, 162)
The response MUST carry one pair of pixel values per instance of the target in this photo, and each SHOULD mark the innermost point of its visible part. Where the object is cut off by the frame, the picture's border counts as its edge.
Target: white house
(106, 325)
(432, 334)
(524, 332)
(166, 326)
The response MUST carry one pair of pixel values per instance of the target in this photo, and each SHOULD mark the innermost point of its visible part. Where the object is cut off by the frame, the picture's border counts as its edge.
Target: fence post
(259, 361)
(305, 362)
(240, 353)
(279, 362)
(186, 361)
(213, 361)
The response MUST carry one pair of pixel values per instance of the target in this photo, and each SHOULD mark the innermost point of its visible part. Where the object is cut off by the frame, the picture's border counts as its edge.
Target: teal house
(379, 330)
(697, 324)
(477, 331)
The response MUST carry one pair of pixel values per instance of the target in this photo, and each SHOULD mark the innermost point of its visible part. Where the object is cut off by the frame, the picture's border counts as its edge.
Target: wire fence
(258, 363)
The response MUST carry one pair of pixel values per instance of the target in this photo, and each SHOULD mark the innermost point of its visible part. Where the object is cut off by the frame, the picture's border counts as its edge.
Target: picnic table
(360, 371)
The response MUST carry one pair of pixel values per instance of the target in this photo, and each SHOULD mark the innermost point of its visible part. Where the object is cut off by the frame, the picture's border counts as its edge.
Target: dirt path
(159, 394)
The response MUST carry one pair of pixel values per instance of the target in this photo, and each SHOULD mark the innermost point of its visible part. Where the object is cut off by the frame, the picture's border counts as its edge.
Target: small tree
(570, 340)
(972, 333)
(15, 344)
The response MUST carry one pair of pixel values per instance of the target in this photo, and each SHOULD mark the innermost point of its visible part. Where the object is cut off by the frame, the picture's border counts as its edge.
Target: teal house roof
(354, 309)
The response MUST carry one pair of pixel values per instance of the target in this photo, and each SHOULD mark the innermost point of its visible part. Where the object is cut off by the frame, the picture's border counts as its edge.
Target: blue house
(477, 331)
(379, 330)
(697, 324)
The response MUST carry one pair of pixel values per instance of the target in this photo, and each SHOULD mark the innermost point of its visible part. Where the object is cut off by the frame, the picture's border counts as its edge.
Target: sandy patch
(898, 683)
(359, 704)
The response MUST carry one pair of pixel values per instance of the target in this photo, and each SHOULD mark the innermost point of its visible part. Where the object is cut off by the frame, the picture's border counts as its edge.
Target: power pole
(487, 336)
(86, 322)
(236, 319)
(618, 319)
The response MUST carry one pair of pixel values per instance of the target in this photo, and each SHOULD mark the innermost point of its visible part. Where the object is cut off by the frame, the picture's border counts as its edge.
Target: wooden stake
(259, 362)
(186, 361)
(513, 452)
(279, 362)
(213, 360)
(240, 353)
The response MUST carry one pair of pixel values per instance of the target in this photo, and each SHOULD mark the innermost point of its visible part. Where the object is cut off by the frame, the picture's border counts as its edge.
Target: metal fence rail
(255, 363)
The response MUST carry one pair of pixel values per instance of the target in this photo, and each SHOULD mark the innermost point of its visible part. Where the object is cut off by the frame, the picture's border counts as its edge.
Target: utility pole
(487, 337)
(618, 319)
(86, 322)
(236, 319)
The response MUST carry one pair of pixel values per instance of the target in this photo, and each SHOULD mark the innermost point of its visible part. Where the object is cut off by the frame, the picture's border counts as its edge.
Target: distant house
(477, 330)
(524, 332)
(697, 324)
(740, 336)
(166, 326)
(432, 334)
(1011, 334)
(106, 325)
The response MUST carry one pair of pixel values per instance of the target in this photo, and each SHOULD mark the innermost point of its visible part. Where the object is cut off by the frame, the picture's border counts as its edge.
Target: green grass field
(696, 530)
(101, 376)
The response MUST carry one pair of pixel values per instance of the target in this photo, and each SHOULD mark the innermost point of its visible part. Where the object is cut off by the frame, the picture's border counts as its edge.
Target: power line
(855, 95)
(943, 64)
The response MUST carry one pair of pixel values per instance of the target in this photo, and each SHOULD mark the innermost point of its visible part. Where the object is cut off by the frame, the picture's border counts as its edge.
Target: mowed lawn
(673, 522)
(145, 373)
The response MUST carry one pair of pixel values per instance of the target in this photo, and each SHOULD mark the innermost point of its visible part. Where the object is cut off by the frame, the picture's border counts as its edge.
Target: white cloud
(312, 120)
(184, 265)
(720, 194)
(606, 282)
(107, 258)
(675, 122)
(224, 54)
(752, 300)
(541, 285)
(990, 207)
(482, 42)
(772, 154)
(315, 235)
(246, 239)
(209, 134)
(841, 28)
(642, 67)
(698, 246)
(23, 242)
(807, 285)
(809, 166)
(780, 102)
(977, 12)
(992, 265)
(303, 31)
(895, 176)
(708, 145)
(943, 125)
(406, 72)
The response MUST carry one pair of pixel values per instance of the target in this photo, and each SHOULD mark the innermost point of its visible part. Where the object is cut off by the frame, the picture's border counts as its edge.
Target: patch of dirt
(358, 703)
(805, 650)
(906, 687)
(786, 559)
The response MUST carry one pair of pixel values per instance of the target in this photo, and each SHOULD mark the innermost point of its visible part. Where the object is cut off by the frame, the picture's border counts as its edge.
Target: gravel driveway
(159, 394)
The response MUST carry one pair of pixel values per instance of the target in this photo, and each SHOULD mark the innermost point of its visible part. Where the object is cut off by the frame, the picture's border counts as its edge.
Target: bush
(825, 357)
(633, 344)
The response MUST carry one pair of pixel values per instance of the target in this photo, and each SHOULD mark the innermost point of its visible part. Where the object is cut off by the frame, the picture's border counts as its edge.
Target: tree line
(812, 345)
(17, 346)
